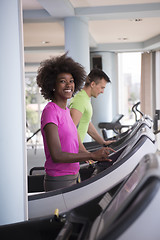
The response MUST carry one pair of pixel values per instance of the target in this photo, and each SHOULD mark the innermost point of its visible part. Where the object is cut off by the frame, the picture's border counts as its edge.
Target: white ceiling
(114, 25)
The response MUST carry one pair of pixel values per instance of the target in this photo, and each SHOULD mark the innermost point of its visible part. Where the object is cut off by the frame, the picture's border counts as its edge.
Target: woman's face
(64, 86)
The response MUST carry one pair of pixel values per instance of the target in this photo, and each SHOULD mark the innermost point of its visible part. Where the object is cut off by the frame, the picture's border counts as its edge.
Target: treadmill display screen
(116, 205)
(128, 187)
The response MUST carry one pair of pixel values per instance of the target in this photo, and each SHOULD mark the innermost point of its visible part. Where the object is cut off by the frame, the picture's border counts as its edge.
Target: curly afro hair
(49, 70)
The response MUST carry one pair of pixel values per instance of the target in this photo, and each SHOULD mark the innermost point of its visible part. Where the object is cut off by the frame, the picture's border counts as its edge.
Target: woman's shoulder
(50, 107)
(51, 113)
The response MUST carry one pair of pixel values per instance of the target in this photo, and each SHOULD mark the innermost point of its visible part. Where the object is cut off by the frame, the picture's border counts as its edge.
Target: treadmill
(105, 177)
(121, 138)
(132, 213)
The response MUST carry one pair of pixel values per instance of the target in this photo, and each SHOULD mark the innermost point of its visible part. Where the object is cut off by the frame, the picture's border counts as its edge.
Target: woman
(59, 79)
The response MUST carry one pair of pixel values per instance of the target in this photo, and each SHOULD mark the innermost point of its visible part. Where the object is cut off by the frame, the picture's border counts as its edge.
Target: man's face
(98, 88)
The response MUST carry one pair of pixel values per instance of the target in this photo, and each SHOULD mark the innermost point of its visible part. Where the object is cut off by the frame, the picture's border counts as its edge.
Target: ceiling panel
(43, 34)
(114, 22)
(95, 3)
(112, 31)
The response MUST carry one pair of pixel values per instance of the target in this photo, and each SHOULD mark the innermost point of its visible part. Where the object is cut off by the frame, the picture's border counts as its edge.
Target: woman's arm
(83, 149)
(54, 146)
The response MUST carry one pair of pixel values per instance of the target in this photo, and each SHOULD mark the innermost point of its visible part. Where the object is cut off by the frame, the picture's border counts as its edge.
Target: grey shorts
(54, 183)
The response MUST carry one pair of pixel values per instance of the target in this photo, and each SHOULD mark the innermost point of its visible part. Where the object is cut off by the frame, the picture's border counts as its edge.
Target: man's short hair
(95, 76)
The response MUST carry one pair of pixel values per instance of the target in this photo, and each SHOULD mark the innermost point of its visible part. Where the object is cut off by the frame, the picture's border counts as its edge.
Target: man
(81, 108)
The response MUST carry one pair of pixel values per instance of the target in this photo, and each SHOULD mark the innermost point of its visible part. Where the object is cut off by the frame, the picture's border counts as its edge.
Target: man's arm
(95, 135)
(76, 116)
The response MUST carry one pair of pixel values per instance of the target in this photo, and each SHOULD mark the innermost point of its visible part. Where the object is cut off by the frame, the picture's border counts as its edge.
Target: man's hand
(106, 143)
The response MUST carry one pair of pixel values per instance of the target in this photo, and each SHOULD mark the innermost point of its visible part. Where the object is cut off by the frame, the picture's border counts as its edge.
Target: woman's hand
(102, 154)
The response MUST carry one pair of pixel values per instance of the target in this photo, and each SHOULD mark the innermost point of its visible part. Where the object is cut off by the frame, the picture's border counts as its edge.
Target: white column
(77, 40)
(157, 88)
(77, 44)
(105, 106)
(13, 177)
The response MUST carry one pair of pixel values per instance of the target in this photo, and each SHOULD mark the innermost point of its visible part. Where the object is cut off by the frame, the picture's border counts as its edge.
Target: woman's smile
(67, 90)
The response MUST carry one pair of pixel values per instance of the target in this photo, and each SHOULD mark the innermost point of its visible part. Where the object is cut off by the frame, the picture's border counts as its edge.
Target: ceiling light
(136, 20)
(45, 42)
(123, 38)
